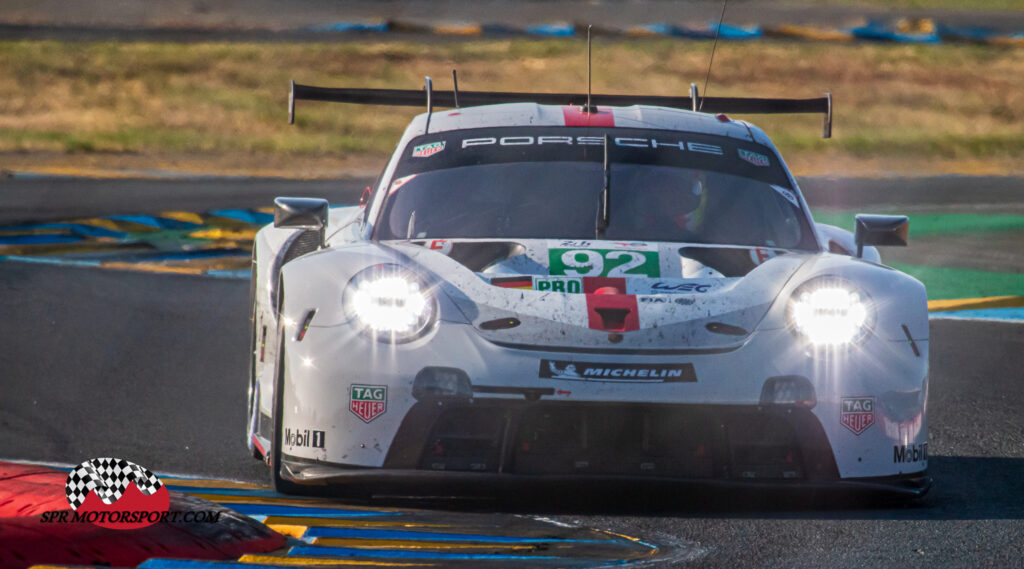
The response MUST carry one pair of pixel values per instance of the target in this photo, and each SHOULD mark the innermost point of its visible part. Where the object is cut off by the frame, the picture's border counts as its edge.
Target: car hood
(698, 298)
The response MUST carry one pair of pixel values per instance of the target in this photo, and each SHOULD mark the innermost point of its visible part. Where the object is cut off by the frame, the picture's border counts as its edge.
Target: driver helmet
(683, 205)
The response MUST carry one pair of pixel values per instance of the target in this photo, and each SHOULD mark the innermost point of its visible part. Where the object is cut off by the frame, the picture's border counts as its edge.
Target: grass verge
(936, 108)
(943, 283)
(924, 224)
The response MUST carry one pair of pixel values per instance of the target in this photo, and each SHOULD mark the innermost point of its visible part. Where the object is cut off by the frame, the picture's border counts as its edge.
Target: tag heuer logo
(857, 413)
(368, 401)
(425, 150)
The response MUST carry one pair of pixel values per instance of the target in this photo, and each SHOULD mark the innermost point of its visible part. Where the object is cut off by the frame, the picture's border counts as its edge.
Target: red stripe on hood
(574, 116)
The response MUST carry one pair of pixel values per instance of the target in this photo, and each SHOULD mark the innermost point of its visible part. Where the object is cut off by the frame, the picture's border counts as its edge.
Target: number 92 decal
(603, 263)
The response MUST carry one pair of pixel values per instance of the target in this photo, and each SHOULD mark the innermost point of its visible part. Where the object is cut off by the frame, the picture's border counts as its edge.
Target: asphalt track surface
(152, 368)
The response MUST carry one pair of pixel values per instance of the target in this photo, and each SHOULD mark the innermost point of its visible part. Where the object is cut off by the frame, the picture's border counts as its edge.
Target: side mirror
(302, 213)
(881, 230)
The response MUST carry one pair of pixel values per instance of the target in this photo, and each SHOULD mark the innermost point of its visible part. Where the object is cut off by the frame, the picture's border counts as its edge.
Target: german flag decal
(513, 282)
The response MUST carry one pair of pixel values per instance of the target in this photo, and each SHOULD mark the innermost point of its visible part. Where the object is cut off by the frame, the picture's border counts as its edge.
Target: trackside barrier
(921, 30)
(214, 243)
(788, 31)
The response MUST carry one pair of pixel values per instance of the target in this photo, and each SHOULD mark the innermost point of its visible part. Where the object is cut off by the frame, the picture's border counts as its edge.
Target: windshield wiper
(604, 216)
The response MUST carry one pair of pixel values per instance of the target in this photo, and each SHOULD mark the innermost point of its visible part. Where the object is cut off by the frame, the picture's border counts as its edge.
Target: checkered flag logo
(109, 478)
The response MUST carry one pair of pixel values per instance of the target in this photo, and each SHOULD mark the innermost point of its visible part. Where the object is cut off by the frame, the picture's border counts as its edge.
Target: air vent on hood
(500, 324)
(612, 312)
(728, 329)
(478, 255)
(613, 318)
(730, 261)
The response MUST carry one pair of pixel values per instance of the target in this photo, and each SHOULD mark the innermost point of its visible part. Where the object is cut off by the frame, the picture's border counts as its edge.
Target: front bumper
(323, 478)
(500, 445)
(713, 427)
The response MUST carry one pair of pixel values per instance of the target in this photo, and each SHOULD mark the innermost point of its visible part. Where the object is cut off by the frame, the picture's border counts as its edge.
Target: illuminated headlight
(830, 312)
(392, 304)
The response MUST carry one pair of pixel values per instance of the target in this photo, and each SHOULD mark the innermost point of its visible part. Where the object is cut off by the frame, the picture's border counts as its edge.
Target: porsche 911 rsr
(548, 292)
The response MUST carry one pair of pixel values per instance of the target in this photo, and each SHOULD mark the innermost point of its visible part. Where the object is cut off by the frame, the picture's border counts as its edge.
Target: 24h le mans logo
(368, 401)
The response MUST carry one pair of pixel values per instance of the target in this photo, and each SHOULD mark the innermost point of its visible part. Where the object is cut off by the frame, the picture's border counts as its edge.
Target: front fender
(898, 299)
(317, 282)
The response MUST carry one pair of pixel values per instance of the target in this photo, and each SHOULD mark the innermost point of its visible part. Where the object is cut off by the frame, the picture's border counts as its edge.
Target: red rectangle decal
(574, 116)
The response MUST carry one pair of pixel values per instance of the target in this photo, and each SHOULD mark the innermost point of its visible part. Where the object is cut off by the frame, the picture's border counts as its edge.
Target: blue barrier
(877, 31)
(730, 32)
(555, 30)
(351, 27)
(873, 30)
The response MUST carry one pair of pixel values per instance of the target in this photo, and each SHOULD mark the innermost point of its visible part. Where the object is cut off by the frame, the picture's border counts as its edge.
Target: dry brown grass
(899, 108)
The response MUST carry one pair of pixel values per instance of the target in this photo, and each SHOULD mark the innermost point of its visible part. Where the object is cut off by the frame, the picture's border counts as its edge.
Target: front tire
(253, 396)
(279, 483)
(254, 403)
(276, 480)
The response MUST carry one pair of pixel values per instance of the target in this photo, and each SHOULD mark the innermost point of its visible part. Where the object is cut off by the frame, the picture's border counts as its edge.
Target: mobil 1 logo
(368, 401)
(304, 438)
(910, 453)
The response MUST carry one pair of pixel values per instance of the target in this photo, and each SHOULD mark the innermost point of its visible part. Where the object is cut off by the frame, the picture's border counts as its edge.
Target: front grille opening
(466, 439)
(613, 440)
(552, 441)
(610, 439)
(764, 446)
(613, 319)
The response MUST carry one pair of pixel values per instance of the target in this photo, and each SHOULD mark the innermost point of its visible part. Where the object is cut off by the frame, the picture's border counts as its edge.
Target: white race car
(536, 290)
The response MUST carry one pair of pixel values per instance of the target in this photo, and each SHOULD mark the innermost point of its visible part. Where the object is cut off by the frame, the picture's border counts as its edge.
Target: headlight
(830, 312)
(391, 303)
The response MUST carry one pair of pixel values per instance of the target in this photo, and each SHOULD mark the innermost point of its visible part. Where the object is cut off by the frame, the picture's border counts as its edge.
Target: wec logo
(681, 287)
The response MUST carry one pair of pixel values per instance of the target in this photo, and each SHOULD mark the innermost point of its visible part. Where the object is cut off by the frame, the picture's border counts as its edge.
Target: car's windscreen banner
(455, 149)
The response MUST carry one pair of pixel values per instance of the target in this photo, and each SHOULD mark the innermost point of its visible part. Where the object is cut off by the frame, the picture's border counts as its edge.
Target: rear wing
(456, 98)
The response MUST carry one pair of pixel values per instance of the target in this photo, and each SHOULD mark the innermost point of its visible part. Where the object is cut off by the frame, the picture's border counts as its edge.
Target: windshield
(546, 184)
